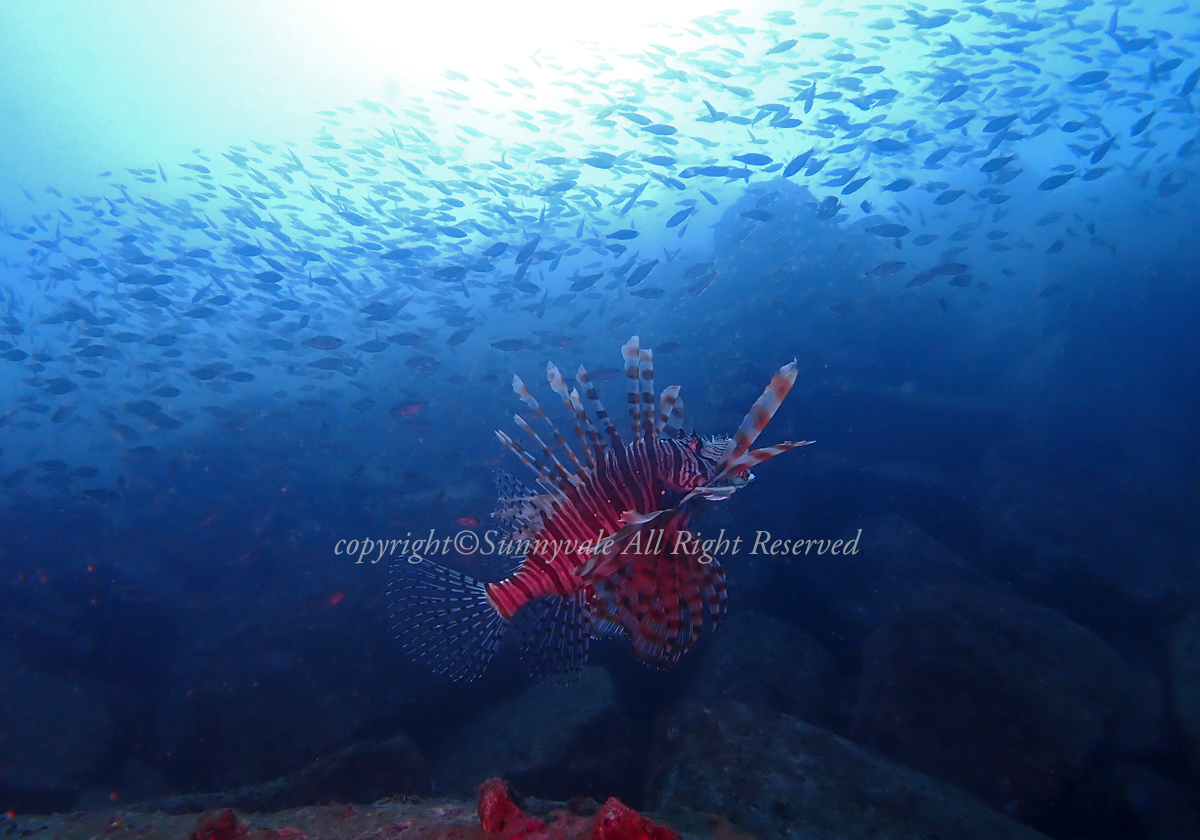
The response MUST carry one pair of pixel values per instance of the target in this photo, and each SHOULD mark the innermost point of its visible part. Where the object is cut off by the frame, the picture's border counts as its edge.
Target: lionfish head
(701, 463)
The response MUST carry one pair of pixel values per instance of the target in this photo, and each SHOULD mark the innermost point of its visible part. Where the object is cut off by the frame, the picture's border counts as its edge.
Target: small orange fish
(467, 521)
(205, 518)
(336, 598)
(410, 408)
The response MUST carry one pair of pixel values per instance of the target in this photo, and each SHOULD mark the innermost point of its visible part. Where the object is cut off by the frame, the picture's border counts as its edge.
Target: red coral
(500, 817)
(224, 825)
(503, 820)
(285, 833)
(616, 821)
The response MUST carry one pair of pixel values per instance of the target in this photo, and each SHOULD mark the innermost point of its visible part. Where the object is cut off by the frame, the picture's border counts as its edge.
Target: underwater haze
(268, 270)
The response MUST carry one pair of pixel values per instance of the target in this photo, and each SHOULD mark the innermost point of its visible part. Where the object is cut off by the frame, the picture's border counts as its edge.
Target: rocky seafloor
(911, 693)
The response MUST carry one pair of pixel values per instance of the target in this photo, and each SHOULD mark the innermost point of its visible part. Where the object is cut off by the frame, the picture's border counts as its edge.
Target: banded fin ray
(561, 477)
(630, 352)
(757, 418)
(557, 634)
(666, 405)
(589, 391)
(578, 419)
(444, 618)
(646, 398)
(675, 420)
(530, 461)
(757, 456)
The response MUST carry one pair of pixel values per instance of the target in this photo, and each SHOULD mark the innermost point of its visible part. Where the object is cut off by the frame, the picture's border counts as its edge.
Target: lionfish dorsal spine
(630, 352)
(666, 404)
(538, 411)
(646, 376)
(559, 387)
(589, 391)
(561, 479)
(528, 460)
(675, 420)
(757, 418)
(594, 442)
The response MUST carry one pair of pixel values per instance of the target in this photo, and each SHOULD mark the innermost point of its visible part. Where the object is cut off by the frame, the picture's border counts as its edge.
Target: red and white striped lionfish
(608, 580)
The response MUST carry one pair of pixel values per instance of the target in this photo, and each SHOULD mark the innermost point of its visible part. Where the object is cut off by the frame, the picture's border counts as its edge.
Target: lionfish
(630, 566)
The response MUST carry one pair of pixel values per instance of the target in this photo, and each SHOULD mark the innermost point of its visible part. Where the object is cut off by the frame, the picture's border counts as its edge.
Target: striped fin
(692, 592)
(595, 443)
(554, 377)
(538, 411)
(589, 391)
(675, 421)
(444, 618)
(758, 417)
(715, 596)
(630, 353)
(757, 456)
(562, 478)
(640, 608)
(646, 375)
(557, 633)
(528, 460)
(666, 404)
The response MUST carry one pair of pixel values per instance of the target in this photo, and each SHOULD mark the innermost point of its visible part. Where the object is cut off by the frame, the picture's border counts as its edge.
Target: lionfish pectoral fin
(606, 557)
(632, 517)
(444, 618)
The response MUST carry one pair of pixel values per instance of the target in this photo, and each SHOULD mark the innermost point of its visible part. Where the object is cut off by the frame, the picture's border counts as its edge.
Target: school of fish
(404, 238)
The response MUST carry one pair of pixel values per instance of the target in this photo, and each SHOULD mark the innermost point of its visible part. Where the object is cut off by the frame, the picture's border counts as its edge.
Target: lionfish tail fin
(757, 418)
(444, 618)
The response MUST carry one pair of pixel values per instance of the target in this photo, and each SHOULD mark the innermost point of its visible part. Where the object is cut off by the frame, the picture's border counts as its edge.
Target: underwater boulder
(362, 772)
(777, 777)
(896, 564)
(1185, 678)
(554, 740)
(1007, 699)
(56, 732)
(761, 661)
(1084, 540)
(1158, 807)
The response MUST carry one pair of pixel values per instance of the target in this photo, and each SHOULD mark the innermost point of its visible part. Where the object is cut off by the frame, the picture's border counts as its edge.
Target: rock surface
(1185, 679)
(362, 772)
(552, 740)
(756, 659)
(1004, 698)
(896, 564)
(496, 815)
(778, 777)
(55, 731)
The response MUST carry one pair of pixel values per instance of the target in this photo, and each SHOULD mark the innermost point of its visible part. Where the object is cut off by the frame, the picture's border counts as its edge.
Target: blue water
(254, 303)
